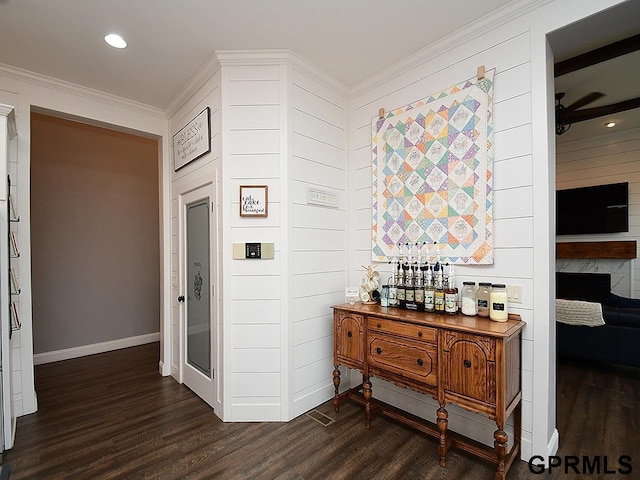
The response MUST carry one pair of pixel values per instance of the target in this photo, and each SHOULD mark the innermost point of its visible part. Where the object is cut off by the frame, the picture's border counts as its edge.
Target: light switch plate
(238, 251)
(514, 293)
(268, 251)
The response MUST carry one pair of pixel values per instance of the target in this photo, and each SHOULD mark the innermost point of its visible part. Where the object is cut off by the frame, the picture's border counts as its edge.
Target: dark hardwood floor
(113, 416)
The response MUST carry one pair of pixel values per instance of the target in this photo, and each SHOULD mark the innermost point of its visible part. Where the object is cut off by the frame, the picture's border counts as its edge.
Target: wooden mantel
(620, 249)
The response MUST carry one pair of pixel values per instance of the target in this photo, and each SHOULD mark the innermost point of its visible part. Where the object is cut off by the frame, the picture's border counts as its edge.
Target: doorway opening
(590, 79)
(95, 238)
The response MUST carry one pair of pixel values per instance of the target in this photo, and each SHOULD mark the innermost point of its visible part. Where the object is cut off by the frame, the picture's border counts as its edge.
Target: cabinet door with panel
(349, 339)
(469, 363)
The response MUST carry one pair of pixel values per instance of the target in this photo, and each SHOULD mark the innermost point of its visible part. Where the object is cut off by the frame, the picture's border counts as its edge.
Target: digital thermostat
(253, 250)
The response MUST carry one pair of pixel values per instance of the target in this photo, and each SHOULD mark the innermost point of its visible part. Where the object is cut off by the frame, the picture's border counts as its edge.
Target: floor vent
(321, 418)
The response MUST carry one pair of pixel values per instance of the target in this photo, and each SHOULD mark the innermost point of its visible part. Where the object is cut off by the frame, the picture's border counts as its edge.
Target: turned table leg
(336, 385)
(443, 422)
(500, 444)
(366, 391)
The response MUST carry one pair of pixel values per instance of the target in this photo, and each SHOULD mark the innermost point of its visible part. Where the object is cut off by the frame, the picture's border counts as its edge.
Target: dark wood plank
(613, 249)
(602, 54)
(113, 416)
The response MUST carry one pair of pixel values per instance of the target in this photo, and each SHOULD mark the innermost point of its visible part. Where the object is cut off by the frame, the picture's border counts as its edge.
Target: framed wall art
(193, 140)
(254, 201)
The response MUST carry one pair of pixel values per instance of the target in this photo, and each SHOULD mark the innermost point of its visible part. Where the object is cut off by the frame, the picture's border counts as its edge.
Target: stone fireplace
(614, 258)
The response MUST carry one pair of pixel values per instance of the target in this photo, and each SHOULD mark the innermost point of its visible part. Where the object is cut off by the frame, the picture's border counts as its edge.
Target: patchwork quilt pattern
(432, 169)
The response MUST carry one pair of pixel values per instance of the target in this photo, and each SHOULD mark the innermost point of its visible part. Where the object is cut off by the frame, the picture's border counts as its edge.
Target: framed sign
(254, 201)
(193, 140)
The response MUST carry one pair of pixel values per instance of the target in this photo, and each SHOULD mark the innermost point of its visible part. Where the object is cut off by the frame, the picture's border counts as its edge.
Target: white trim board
(84, 350)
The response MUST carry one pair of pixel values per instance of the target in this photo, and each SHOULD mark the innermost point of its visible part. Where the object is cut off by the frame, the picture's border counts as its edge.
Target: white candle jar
(498, 306)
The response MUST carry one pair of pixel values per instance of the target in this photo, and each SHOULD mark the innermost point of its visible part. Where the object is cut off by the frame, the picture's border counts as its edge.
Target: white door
(196, 292)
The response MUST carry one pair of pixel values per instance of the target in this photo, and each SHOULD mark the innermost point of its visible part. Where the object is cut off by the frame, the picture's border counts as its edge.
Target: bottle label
(450, 302)
(409, 295)
(400, 295)
(439, 301)
(428, 299)
(419, 295)
(483, 303)
(498, 306)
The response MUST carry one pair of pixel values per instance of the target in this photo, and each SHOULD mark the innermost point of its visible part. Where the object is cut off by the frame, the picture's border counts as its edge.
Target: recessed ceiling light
(610, 124)
(115, 40)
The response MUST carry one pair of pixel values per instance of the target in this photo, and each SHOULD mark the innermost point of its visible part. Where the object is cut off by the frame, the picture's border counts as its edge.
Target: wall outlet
(514, 293)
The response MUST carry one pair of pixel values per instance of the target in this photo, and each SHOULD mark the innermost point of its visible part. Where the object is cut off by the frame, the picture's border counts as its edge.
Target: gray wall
(95, 234)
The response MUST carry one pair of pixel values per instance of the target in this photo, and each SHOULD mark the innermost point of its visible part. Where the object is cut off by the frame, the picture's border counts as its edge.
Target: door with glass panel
(198, 317)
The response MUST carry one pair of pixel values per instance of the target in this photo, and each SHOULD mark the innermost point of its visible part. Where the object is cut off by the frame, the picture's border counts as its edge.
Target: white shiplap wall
(275, 122)
(523, 186)
(609, 158)
(513, 197)
(319, 235)
(254, 292)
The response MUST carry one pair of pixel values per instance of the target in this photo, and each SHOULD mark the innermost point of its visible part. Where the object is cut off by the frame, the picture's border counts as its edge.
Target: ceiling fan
(566, 116)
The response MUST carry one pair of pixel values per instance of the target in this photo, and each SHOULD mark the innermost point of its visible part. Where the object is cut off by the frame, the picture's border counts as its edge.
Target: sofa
(618, 340)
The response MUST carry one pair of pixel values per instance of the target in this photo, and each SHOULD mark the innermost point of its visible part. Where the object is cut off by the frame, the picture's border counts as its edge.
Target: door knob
(181, 298)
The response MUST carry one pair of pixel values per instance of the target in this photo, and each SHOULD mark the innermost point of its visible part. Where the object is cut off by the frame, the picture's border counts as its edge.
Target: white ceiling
(170, 39)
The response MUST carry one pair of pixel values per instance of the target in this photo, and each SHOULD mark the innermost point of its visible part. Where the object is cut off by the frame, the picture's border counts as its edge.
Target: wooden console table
(472, 362)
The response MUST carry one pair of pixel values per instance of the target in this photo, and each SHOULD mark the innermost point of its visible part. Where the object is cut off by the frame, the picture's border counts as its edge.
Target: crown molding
(78, 91)
(195, 83)
(471, 31)
(282, 57)
(5, 109)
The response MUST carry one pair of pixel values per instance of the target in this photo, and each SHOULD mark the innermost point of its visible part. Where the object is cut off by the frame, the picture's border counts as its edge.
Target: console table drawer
(408, 359)
(415, 332)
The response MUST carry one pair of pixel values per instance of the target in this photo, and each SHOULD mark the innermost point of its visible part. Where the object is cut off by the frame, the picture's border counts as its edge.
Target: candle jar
(498, 303)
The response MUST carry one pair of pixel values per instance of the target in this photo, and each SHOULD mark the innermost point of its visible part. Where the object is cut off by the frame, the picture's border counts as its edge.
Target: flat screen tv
(597, 209)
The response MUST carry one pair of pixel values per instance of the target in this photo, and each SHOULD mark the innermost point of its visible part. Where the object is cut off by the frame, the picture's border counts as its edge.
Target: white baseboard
(312, 400)
(266, 412)
(84, 350)
(164, 370)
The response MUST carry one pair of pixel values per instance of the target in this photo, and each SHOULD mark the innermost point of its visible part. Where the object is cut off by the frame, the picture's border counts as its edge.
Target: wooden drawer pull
(378, 325)
(420, 362)
(419, 334)
(349, 334)
(466, 363)
(378, 350)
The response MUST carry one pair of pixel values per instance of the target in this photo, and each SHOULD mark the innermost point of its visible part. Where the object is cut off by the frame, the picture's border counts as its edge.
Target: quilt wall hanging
(432, 165)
